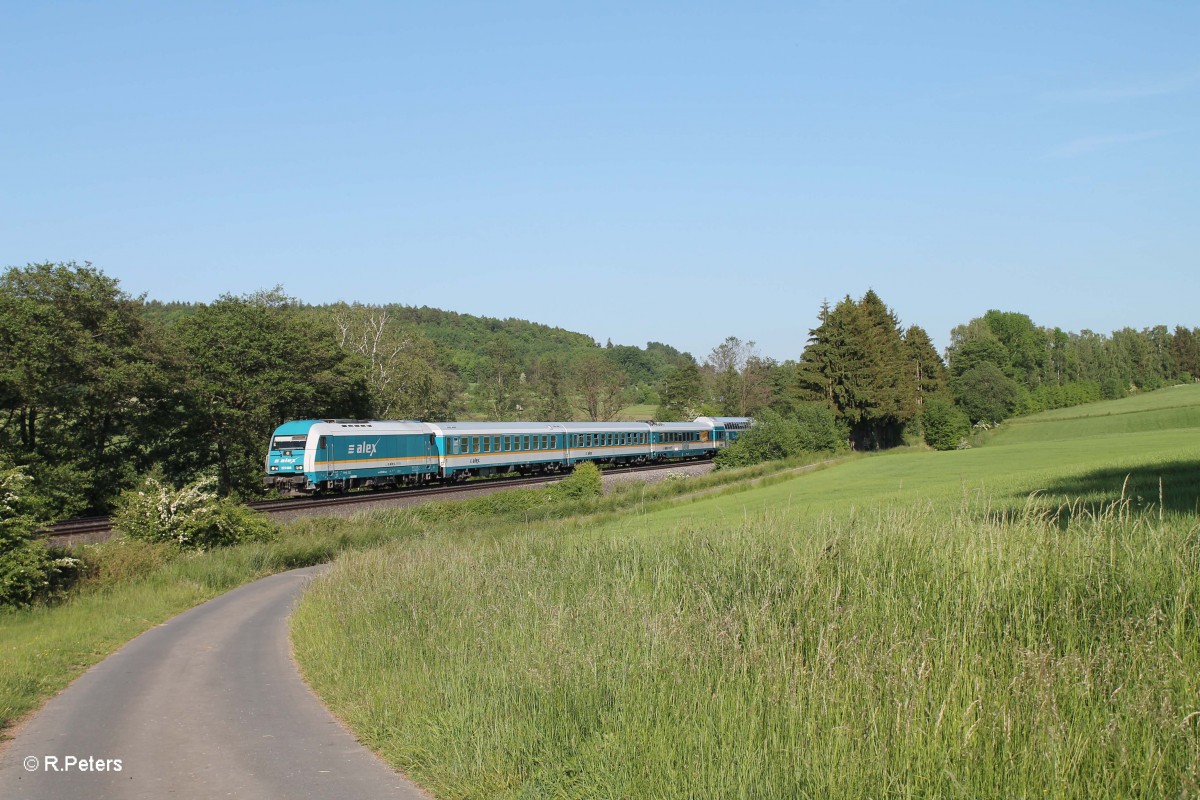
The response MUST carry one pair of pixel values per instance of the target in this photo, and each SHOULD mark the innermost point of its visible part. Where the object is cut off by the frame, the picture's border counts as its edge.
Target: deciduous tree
(247, 364)
(75, 382)
(601, 385)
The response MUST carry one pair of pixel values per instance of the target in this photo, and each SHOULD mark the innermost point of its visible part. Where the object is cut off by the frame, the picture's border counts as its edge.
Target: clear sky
(676, 172)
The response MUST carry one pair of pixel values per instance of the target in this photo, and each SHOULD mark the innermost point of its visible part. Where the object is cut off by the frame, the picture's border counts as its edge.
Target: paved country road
(206, 705)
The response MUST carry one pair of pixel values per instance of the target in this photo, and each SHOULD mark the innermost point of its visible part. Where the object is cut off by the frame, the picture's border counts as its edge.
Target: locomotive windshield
(288, 442)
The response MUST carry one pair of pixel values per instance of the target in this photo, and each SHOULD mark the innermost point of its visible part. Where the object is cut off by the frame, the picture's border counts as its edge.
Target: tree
(986, 394)
(972, 344)
(929, 373)
(1024, 345)
(945, 424)
(76, 385)
(681, 393)
(857, 362)
(724, 364)
(247, 364)
(406, 375)
(500, 381)
(548, 385)
(1185, 353)
(601, 385)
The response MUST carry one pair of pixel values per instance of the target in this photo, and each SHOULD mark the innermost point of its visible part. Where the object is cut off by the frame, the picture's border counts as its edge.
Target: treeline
(98, 388)
(886, 384)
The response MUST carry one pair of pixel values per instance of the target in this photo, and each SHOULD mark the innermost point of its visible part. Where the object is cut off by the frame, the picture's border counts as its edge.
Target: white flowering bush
(192, 517)
(28, 569)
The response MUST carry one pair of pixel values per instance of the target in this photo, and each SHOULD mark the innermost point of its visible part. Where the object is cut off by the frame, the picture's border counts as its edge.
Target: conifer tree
(928, 370)
(858, 363)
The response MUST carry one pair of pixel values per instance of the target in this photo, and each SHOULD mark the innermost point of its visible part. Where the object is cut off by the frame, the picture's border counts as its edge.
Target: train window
(507, 443)
(454, 446)
(545, 444)
(487, 444)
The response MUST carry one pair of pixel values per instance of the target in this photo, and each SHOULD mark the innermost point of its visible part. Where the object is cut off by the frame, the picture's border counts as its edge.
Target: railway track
(97, 529)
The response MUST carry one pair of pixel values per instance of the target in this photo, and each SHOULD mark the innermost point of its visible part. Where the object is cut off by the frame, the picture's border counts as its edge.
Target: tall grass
(906, 651)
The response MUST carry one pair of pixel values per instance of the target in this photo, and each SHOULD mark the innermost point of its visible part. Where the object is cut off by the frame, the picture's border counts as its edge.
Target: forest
(99, 389)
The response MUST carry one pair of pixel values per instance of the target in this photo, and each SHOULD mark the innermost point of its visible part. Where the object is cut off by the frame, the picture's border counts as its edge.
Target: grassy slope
(872, 629)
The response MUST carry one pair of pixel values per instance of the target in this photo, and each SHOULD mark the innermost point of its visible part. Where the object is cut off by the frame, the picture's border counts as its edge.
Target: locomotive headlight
(274, 469)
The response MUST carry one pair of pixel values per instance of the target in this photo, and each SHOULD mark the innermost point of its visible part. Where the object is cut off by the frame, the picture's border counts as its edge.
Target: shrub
(946, 425)
(775, 437)
(585, 481)
(819, 430)
(192, 517)
(29, 570)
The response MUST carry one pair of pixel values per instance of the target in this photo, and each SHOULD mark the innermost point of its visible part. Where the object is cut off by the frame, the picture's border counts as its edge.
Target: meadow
(130, 586)
(1019, 619)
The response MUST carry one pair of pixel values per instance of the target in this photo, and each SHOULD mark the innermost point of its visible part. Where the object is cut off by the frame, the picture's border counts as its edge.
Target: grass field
(1017, 620)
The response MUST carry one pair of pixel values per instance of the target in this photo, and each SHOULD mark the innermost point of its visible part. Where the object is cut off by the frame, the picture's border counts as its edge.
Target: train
(336, 455)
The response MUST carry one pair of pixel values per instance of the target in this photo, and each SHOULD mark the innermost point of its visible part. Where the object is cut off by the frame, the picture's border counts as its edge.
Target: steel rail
(96, 529)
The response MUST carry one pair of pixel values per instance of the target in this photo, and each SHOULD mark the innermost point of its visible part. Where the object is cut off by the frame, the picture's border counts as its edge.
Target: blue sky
(643, 171)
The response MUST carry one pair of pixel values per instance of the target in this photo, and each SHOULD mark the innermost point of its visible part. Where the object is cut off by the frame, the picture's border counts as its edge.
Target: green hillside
(1068, 454)
(1015, 620)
